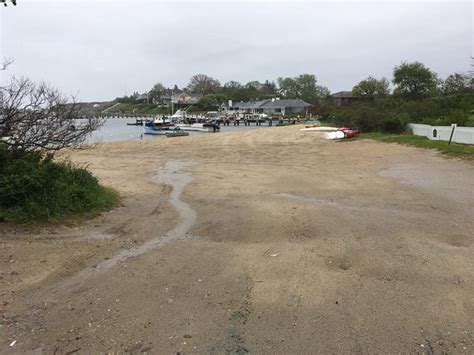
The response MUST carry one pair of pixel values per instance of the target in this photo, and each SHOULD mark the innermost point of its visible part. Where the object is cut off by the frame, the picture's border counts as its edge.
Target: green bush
(35, 188)
(393, 114)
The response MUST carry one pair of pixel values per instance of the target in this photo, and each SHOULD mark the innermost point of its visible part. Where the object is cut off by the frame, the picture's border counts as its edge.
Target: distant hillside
(115, 108)
(137, 108)
(94, 108)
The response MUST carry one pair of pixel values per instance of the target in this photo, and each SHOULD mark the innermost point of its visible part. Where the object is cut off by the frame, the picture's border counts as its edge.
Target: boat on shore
(319, 129)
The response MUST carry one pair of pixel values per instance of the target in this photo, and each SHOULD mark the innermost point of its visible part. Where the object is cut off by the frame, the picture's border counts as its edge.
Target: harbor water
(116, 129)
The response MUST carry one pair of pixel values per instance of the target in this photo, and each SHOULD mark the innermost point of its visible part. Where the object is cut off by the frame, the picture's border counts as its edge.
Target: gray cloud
(101, 50)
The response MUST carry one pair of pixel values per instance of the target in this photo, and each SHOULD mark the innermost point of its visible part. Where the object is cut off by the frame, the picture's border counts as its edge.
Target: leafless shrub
(6, 62)
(37, 116)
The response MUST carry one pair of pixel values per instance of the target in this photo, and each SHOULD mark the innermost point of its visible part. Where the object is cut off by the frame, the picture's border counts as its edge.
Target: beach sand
(266, 241)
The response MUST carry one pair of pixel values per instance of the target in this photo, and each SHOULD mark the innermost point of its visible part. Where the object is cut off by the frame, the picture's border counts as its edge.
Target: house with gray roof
(343, 98)
(270, 107)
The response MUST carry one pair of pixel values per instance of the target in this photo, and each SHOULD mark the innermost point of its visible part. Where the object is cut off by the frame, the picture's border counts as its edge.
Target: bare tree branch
(37, 116)
(4, 2)
(6, 63)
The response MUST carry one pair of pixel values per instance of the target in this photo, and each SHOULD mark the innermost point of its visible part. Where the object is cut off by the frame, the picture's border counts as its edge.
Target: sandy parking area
(268, 241)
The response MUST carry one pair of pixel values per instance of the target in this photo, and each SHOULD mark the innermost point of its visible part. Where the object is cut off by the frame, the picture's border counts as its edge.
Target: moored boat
(160, 130)
(160, 126)
(198, 127)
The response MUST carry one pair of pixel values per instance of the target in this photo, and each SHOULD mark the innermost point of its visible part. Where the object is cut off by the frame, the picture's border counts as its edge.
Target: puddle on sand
(169, 175)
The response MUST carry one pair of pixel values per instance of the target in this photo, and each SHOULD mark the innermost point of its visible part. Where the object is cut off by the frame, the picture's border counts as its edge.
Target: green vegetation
(419, 96)
(141, 108)
(371, 88)
(93, 108)
(414, 81)
(213, 94)
(35, 188)
(453, 149)
(392, 114)
(303, 87)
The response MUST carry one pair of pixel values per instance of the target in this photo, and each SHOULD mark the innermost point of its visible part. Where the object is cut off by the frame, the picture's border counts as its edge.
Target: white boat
(178, 116)
(160, 126)
(162, 121)
(319, 129)
(334, 135)
(196, 127)
(160, 130)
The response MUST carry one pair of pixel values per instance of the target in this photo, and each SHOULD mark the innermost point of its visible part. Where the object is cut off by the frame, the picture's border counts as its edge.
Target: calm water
(116, 129)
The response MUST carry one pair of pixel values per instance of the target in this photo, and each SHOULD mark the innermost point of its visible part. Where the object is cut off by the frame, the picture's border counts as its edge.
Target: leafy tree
(211, 101)
(309, 91)
(156, 91)
(288, 87)
(233, 90)
(243, 94)
(232, 85)
(255, 84)
(414, 81)
(268, 89)
(456, 83)
(302, 87)
(371, 88)
(203, 84)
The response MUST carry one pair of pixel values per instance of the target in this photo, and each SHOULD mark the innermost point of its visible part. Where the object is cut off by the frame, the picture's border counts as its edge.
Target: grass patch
(453, 149)
(35, 188)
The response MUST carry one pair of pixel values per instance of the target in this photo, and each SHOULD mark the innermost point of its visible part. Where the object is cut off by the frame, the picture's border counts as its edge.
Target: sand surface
(267, 241)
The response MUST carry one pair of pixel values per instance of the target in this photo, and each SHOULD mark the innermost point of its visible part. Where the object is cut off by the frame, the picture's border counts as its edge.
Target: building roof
(296, 103)
(142, 97)
(187, 94)
(343, 94)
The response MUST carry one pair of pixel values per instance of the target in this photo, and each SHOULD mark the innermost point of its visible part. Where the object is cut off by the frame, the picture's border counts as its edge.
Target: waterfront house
(142, 98)
(185, 98)
(343, 98)
(273, 106)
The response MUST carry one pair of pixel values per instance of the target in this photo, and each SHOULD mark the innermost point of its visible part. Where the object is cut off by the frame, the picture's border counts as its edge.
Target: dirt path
(268, 241)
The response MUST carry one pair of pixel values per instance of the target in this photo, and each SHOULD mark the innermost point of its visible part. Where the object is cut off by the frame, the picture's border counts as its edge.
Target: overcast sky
(99, 50)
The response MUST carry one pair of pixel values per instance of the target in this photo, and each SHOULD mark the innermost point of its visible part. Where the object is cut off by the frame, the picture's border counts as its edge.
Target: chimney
(230, 103)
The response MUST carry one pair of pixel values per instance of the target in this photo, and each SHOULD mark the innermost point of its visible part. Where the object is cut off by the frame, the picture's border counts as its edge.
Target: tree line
(414, 81)
(418, 96)
(411, 81)
(213, 93)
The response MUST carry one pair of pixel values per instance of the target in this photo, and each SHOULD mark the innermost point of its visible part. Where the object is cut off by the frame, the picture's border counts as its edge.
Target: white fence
(461, 134)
